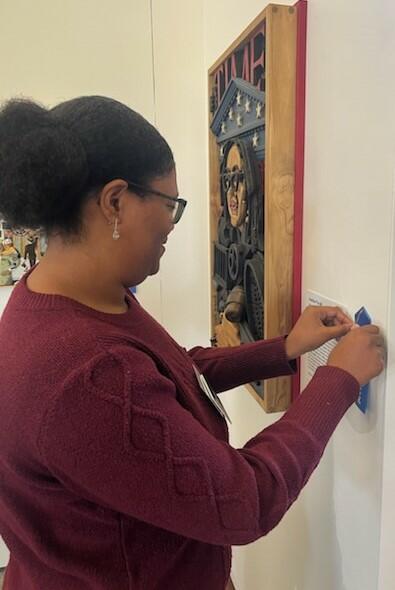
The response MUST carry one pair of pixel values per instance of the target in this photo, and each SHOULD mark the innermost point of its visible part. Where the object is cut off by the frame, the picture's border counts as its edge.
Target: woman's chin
(155, 268)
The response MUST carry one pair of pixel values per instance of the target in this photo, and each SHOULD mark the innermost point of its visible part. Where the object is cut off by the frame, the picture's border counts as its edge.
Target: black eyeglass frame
(181, 203)
(232, 178)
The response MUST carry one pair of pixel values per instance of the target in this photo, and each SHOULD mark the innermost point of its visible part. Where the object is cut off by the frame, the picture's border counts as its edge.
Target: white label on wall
(319, 357)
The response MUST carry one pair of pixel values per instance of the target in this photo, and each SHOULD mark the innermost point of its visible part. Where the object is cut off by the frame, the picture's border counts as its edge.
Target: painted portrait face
(235, 187)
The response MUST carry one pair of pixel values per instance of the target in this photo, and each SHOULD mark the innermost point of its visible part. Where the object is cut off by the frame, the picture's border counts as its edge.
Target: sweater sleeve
(117, 436)
(229, 367)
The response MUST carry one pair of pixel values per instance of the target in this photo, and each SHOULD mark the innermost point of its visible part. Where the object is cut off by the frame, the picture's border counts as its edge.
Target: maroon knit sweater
(115, 471)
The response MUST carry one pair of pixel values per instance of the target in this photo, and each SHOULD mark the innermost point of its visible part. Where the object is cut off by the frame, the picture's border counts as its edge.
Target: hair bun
(43, 166)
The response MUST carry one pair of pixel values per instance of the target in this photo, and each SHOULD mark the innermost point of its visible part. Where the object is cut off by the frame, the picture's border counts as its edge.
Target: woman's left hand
(316, 326)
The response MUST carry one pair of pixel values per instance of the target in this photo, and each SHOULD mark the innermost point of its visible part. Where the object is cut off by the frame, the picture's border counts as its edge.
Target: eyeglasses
(232, 179)
(178, 203)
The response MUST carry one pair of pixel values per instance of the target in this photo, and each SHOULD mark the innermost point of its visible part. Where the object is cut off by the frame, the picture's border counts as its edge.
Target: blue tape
(362, 318)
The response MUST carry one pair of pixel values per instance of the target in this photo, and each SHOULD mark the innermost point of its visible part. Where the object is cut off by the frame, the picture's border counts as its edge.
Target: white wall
(55, 50)
(330, 539)
(348, 199)
(180, 104)
(386, 568)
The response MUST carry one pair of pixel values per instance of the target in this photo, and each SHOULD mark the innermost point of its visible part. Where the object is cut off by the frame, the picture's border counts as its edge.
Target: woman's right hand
(361, 353)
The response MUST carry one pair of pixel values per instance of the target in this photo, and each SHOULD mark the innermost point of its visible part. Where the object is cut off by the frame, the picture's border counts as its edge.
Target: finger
(335, 314)
(336, 331)
(382, 353)
(379, 341)
(376, 339)
(371, 329)
(336, 322)
(382, 357)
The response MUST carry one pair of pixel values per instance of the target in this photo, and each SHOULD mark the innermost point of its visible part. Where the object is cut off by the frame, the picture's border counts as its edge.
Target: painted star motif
(239, 120)
(238, 97)
(255, 140)
(223, 127)
(230, 114)
(247, 105)
(258, 110)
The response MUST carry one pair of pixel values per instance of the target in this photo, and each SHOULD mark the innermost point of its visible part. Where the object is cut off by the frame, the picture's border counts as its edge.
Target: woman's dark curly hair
(53, 160)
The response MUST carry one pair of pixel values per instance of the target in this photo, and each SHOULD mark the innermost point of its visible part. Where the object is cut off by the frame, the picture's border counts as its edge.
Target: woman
(116, 472)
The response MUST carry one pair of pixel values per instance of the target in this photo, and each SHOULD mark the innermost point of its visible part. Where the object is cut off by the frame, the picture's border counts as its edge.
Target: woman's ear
(110, 199)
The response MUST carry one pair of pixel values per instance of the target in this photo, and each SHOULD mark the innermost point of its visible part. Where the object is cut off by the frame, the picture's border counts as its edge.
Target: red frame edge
(300, 116)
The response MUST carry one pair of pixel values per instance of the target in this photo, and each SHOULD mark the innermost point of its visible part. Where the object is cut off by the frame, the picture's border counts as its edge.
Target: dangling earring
(115, 234)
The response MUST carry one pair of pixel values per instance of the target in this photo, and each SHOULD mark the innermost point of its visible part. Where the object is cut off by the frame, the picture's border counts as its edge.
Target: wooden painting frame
(281, 139)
